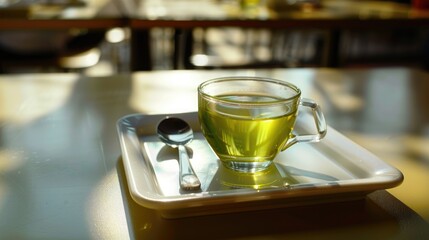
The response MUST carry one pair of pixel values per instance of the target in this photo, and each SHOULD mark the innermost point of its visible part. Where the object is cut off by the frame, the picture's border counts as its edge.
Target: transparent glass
(248, 120)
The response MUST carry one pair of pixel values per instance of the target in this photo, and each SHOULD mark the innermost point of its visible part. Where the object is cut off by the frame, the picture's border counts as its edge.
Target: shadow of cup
(271, 177)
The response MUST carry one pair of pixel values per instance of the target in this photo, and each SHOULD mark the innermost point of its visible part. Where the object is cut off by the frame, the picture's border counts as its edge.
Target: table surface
(61, 172)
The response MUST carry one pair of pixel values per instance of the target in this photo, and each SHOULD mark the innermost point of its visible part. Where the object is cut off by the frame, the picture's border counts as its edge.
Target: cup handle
(319, 120)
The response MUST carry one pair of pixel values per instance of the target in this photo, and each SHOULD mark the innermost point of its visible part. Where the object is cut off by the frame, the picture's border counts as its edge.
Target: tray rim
(148, 198)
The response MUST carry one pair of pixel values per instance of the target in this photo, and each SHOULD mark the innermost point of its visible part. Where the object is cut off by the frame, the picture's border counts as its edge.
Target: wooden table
(91, 14)
(61, 172)
(55, 35)
(333, 18)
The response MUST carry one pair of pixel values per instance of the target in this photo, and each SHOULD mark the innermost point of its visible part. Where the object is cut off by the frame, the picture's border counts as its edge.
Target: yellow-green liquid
(246, 135)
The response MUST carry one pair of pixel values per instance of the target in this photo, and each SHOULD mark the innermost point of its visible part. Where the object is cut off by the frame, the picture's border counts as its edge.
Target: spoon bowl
(176, 133)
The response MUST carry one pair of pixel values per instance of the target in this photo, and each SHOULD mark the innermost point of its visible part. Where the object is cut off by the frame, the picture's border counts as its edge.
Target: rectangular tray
(335, 169)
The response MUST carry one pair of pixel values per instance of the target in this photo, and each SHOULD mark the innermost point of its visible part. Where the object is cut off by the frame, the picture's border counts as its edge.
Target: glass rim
(247, 78)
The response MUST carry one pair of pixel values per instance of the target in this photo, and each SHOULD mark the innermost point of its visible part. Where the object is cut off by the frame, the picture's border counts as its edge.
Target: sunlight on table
(24, 98)
(413, 191)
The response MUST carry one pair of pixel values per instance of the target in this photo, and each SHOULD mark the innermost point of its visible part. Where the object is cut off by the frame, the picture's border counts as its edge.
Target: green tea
(254, 133)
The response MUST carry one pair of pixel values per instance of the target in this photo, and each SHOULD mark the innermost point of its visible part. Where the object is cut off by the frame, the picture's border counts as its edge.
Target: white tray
(335, 169)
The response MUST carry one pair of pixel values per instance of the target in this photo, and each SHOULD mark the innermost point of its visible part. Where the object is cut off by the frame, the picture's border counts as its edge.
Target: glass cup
(248, 120)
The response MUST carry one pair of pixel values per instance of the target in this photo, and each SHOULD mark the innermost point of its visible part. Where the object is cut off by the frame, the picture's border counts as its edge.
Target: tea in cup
(247, 121)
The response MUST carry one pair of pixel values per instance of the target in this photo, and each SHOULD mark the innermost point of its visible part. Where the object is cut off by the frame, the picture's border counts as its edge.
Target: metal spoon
(175, 132)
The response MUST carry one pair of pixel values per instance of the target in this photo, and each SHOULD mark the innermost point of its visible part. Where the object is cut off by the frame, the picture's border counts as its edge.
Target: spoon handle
(187, 177)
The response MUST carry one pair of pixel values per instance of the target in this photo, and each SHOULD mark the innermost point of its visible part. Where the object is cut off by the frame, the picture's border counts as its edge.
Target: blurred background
(221, 34)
